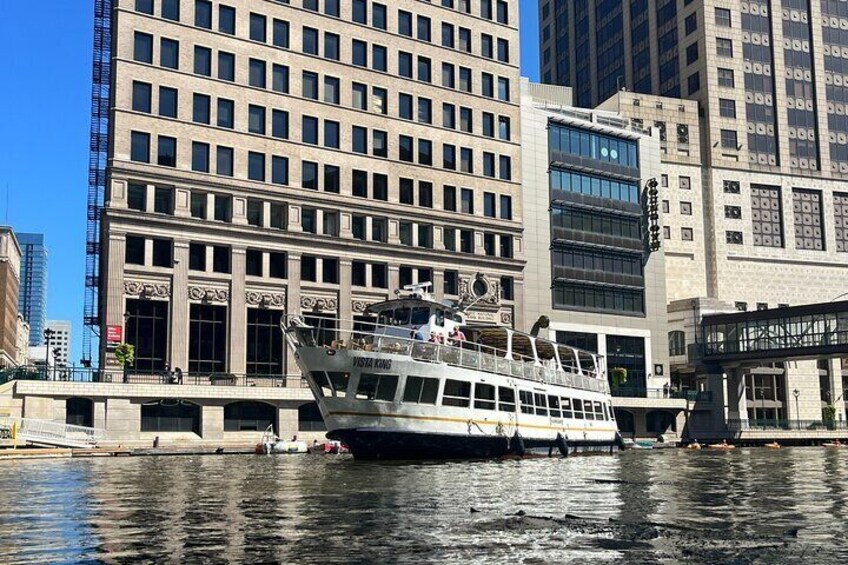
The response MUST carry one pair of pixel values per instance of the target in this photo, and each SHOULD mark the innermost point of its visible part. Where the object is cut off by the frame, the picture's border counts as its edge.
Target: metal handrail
(468, 355)
(48, 431)
(788, 425)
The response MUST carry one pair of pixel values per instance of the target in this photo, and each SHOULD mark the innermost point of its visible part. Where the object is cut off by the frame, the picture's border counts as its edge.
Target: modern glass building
(32, 298)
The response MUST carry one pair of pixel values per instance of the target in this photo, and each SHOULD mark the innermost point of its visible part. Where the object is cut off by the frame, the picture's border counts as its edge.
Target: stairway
(48, 432)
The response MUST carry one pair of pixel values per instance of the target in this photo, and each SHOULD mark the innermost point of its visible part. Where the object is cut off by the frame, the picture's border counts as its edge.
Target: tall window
(147, 331)
(207, 340)
(265, 351)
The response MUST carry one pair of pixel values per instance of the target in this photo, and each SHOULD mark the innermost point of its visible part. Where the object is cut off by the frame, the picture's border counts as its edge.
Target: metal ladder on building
(48, 432)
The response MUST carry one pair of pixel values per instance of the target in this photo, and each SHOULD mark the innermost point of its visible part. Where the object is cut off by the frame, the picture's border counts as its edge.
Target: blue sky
(45, 97)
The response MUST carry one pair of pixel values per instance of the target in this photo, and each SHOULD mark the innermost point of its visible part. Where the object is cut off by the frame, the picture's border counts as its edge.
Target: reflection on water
(744, 506)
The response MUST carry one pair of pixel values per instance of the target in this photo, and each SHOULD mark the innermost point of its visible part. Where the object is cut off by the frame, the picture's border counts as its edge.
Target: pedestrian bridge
(48, 432)
(800, 332)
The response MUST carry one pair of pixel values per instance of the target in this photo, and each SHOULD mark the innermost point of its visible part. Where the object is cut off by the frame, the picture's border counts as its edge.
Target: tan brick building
(305, 157)
(10, 266)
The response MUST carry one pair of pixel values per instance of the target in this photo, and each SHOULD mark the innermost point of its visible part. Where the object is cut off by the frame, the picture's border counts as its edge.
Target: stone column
(212, 423)
(394, 278)
(123, 419)
(99, 415)
(182, 203)
(112, 297)
(345, 298)
(287, 421)
(179, 307)
(293, 308)
(238, 313)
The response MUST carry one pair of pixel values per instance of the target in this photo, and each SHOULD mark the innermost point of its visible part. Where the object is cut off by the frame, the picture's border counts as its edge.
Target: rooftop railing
(641, 392)
(465, 354)
(133, 376)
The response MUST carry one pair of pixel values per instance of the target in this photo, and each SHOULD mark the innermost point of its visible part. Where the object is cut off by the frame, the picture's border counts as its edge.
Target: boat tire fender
(562, 444)
(517, 445)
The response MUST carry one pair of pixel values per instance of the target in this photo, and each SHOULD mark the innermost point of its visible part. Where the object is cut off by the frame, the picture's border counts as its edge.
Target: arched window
(626, 423)
(660, 421)
(249, 416)
(170, 415)
(676, 343)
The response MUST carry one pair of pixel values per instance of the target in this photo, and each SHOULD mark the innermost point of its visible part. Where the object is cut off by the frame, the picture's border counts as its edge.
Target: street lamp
(762, 394)
(48, 334)
(796, 393)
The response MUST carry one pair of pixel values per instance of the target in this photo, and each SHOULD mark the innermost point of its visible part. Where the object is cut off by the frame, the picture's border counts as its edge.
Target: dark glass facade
(759, 83)
(32, 296)
(596, 228)
(835, 39)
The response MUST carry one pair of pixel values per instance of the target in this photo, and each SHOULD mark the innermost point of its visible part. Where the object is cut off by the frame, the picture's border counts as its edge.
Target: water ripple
(746, 506)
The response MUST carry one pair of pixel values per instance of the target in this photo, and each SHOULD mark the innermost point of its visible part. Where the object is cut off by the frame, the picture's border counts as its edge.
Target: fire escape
(98, 147)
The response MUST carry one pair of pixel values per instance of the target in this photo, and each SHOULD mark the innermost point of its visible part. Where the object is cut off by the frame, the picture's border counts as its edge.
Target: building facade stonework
(10, 265)
(305, 158)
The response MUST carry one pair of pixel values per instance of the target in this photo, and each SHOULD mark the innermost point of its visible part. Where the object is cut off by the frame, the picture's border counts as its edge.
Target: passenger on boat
(456, 337)
(436, 337)
(418, 334)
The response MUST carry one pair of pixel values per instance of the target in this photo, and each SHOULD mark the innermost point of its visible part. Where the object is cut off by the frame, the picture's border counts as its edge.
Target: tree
(619, 376)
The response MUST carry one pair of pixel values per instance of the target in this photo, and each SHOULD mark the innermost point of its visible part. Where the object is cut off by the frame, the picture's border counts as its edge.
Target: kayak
(834, 445)
(772, 445)
(693, 446)
(722, 446)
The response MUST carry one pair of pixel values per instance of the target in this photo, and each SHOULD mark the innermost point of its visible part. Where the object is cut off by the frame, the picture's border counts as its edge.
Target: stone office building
(589, 265)
(306, 157)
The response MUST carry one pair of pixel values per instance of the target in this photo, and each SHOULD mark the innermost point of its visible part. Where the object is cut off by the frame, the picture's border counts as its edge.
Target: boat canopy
(521, 346)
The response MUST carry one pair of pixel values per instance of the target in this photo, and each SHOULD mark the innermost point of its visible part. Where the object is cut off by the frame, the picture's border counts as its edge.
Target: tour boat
(420, 382)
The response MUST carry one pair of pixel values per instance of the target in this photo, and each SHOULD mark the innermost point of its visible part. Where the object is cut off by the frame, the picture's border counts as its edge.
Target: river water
(745, 506)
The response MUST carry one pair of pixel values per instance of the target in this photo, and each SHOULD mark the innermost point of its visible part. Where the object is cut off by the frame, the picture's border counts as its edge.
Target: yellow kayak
(693, 446)
(772, 445)
(723, 446)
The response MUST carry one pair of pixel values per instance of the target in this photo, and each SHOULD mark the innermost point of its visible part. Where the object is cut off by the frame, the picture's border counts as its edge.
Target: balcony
(663, 393)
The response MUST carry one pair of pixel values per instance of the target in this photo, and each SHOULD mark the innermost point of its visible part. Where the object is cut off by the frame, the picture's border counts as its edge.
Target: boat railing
(378, 338)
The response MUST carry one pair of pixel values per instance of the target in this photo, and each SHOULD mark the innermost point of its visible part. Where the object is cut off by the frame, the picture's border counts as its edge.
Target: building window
(202, 61)
(281, 34)
(676, 343)
(141, 97)
(227, 20)
(200, 157)
(728, 139)
(734, 237)
(256, 166)
(467, 201)
(137, 197)
(197, 257)
(256, 74)
(725, 78)
(727, 108)
(143, 48)
(140, 147)
(686, 208)
(766, 215)
(198, 205)
(840, 216)
(168, 102)
(201, 109)
(207, 342)
(724, 47)
(167, 151)
(265, 346)
(686, 234)
(224, 161)
(179, 416)
(250, 416)
(134, 250)
(147, 331)
(722, 17)
(809, 224)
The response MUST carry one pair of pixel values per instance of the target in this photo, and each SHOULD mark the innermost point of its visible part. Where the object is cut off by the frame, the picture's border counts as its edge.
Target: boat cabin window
(611, 412)
(566, 408)
(526, 398)
(599, 413)
(440, 317)
(401, 316)
(339, 381)
(421, 390)
(324, 386)
(553, 404)
(420, 315)
(606, 416)
(377, 387)
(578, 408)
(506, 398)
(456, 393)
(541, 404)
(484, 396)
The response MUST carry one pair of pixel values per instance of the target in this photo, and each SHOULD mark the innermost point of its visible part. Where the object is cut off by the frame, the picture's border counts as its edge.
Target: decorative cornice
(266, 299)
(359, 306)
(147, 289)
(319, 303)
(209, 294)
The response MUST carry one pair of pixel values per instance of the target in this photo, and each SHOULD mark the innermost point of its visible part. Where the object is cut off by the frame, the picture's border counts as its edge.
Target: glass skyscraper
(32, 298)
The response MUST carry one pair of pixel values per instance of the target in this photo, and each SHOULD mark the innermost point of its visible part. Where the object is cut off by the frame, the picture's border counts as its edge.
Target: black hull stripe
(393, 445)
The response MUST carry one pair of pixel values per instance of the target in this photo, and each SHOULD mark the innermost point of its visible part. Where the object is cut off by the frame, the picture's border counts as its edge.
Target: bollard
(156, 442)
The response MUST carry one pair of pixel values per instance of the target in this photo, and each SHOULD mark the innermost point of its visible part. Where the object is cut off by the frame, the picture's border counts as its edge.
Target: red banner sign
(114, 334)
